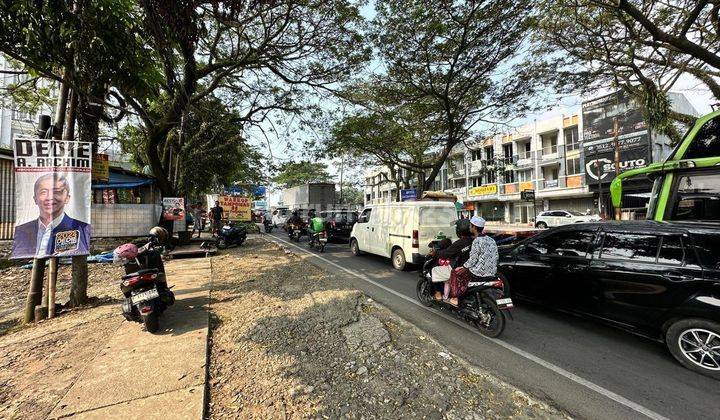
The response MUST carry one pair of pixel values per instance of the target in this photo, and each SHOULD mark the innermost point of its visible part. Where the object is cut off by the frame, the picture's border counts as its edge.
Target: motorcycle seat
(140, 273)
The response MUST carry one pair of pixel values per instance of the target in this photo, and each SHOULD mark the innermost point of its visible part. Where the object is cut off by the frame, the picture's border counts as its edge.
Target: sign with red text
(236, 208)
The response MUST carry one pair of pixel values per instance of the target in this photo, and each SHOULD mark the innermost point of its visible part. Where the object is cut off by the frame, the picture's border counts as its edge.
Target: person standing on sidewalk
(197, 212)
(216, 213)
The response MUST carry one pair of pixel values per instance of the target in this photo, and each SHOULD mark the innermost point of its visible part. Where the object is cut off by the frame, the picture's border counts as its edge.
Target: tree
(459, 63)
(213, 150)
(641, 47)
(259, 57)
(351, 196)
(292, 174)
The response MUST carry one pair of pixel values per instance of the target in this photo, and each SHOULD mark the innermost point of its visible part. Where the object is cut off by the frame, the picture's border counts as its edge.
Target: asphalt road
(585, 368)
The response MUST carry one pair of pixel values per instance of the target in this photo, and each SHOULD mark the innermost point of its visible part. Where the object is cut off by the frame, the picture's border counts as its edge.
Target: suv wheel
(398, 259)
(354, 247)
(695, 343)
(541, 225)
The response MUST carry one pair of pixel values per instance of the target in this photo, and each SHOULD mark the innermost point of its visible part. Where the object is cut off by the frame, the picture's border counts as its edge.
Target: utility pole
(342, 167)
(616, 145)
(599, 182)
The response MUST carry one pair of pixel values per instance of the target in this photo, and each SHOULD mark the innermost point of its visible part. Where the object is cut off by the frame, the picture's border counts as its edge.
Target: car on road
(656, 279)
(402, 230)
(279, 216)
(339, 224)
(562, 217)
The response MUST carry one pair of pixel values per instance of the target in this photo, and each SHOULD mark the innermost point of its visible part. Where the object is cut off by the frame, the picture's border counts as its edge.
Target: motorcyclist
(294, 219)
(481, 265)
(457, 253)
(316, 226)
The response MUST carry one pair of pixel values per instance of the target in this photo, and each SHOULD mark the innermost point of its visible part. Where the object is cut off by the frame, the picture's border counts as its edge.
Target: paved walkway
(141, 375)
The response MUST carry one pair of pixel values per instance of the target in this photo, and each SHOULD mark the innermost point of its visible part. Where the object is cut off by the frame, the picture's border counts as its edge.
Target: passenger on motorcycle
(294, 219)
(481, 265)
(457, 253)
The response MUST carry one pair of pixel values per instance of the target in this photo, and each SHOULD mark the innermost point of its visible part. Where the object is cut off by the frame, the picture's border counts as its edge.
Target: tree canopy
(292, 174)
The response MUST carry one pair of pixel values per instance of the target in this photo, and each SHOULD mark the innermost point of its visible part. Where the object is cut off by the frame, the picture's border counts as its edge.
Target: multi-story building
(545, 156)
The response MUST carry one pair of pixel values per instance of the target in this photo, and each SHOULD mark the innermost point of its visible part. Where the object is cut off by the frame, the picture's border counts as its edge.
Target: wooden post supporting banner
(34, 297)
(52, 282)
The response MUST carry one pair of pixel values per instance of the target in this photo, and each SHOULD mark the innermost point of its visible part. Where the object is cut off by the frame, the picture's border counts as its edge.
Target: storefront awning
(121, 180)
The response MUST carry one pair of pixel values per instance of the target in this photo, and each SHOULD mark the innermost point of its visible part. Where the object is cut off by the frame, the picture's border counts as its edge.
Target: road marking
(542, 362)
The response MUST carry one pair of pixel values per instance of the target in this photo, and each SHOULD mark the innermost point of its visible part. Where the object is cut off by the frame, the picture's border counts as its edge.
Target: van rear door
(434, 220)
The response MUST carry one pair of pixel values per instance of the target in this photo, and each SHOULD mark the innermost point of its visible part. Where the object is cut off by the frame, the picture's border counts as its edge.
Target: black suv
(658, 279)
(339, 223)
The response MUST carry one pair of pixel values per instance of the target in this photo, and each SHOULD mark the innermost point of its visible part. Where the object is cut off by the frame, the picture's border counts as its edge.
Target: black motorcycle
(318, 241)
(295, 231)
(268, 226)
(145, 288)
(230, 235)
(484, 304)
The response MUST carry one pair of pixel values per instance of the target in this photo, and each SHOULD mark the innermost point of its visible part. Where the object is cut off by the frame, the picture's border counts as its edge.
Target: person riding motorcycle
(316, 226)
(457, 253)
(480, 266)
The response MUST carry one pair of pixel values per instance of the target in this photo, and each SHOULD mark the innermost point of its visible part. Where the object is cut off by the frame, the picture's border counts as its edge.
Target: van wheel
(541, 225)
(398, 259)
(695, 343)
(354, 247)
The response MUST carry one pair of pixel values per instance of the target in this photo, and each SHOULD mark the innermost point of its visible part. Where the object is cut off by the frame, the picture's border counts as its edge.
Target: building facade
(546, 157)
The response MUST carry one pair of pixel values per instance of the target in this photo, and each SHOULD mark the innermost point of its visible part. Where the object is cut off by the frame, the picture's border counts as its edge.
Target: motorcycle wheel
(152, 322)
(221, 244)
(495, 325)
(322, 248)
(424, 292)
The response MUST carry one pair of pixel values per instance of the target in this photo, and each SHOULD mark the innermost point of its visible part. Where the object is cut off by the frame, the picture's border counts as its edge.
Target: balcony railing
(549, 150)
(524, 154)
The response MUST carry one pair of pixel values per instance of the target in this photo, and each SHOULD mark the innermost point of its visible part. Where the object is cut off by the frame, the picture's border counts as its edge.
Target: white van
(279, 216)
(402, 231)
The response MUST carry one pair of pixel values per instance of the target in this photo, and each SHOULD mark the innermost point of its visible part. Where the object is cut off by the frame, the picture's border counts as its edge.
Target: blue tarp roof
(122, 180)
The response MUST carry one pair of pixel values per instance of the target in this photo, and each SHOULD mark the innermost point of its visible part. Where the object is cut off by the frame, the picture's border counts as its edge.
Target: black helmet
(295, 213)
(462, 228)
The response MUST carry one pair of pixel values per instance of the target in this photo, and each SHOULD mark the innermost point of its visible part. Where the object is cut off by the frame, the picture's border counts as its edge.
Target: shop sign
(484, 190)
(260, 205)
(526, 186)
(101, 168)
(527, 195)
(408, 195)
(52, 196)
(574, 181)
(236, 208)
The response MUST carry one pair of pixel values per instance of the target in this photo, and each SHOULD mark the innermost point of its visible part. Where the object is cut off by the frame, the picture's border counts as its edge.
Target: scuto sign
(603, 168)
(484, 190)
(236, 208)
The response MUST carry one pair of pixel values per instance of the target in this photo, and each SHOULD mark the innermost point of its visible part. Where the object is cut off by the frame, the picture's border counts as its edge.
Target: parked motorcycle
(484, 304)
(318, 241)
(144, 285)
(230, 235)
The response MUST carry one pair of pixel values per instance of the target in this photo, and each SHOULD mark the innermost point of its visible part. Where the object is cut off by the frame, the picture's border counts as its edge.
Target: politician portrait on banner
(53, 196)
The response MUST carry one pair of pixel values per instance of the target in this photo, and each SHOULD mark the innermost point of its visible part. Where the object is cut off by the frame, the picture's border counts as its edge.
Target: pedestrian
(216, 213)
(197, 212)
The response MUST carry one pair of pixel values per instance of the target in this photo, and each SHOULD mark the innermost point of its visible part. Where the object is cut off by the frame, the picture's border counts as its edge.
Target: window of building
(476, 181)
(524, 150)
(508, 150)
(572, 166)
(630, 246)
(459, 183)
(524, 176)
(489, 153)
(697, 197)
(476, 154)
(572, 141)
(490, 177)
(509, 177)
(549, 143)
(706, 142)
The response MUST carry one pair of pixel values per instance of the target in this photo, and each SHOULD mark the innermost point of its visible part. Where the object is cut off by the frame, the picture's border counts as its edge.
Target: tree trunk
(155, 138)
(438, 164)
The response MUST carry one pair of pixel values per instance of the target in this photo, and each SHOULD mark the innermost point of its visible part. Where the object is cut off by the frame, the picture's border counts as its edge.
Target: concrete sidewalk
(138, 374)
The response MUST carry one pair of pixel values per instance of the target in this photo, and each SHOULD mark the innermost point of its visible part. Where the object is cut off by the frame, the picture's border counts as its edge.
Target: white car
(279, 216)
(402, 231)
(562, 217)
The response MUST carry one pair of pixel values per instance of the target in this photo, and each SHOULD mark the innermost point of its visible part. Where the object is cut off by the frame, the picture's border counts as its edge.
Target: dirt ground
(291, 341)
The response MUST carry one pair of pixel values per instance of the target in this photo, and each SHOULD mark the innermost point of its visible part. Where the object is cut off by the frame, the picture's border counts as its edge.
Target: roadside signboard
(52, 196)
(599, 117)
(527, 195)
(236, 208)
(173, 208)
(484, 190)
(408, 195)
(260, 205)
(101, 168)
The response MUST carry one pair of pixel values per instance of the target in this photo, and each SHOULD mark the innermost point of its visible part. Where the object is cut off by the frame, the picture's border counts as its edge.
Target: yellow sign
(100, 168)
(236, 208)
(484, 190)
(526, 186)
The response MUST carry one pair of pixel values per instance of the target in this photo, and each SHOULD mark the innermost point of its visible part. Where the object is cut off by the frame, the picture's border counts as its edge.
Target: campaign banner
(53, 197)
(173, 208)
(236, 208)
(599, 116)
(600, 157)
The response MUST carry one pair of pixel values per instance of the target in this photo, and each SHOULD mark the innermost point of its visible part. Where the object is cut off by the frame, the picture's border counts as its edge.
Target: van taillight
(416, 239)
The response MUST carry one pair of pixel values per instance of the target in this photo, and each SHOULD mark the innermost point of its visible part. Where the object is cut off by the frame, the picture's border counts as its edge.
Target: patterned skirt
(459, 283)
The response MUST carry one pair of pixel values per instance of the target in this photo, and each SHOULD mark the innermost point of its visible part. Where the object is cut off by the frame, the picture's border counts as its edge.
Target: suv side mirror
(569, 215)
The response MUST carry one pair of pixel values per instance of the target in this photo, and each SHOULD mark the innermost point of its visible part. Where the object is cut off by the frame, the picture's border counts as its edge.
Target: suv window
(572, 243)
(697, 197)
(558, 214)
(708, 248)
(671, 250)
(706, 142)
(630, 246)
